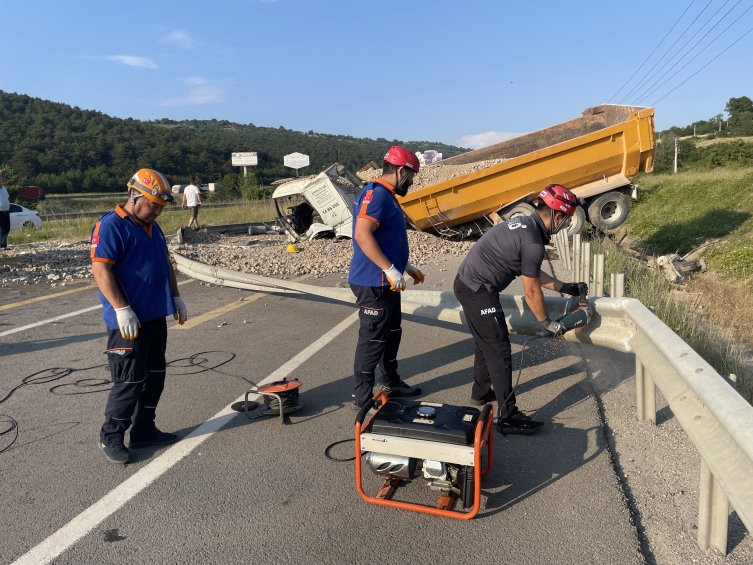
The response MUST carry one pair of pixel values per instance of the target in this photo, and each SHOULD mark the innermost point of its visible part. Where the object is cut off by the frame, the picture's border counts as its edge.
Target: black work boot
(488, 397)
(116, 454)
(399, 389)
(157, 438)
(518, 423)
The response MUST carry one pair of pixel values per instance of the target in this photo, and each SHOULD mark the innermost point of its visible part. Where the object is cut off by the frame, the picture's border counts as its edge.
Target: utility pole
(720, 125)
(677, 150)
(693, 131)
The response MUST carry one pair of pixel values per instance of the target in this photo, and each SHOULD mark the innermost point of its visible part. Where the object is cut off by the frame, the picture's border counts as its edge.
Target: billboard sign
(296, 160)
(244, 159)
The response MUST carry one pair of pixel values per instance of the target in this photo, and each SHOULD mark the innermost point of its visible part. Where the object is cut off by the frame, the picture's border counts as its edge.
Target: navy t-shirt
(509, 249)
(139, 258)
(377, 203)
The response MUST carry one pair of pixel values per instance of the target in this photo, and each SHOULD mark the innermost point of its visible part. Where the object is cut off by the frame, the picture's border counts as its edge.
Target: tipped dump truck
(596, 156)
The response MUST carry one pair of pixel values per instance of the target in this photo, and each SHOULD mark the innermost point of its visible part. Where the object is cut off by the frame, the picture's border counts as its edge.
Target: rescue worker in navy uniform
(137, 288)
(508, 250)
(380, 257)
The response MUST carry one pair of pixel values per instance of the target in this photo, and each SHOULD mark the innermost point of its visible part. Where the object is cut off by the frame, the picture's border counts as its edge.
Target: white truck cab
(326, 209)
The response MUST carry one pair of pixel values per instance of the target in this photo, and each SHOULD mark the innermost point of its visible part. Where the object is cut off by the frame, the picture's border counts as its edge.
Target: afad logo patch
(370, 312)
(488, 311)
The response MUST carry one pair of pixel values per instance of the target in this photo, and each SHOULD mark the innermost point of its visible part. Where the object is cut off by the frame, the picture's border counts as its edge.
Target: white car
(21, 217)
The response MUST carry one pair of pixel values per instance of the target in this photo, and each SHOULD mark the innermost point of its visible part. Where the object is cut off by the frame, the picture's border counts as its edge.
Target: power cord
(194, 365)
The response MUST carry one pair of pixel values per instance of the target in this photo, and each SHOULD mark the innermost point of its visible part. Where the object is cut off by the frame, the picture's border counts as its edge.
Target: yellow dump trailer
(595, 156)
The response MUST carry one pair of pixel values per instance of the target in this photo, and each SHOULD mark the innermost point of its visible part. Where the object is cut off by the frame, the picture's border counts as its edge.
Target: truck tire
(608, 211)
(521, 209)
(578, 221)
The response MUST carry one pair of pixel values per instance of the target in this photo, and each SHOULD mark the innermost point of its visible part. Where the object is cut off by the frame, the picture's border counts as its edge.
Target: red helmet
(401, 157)
(560, 199)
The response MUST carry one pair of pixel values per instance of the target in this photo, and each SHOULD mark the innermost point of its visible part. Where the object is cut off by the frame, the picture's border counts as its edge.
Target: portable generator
(403, 440)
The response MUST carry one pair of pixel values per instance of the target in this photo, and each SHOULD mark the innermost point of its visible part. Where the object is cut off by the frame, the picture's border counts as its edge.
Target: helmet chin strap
(399, 190)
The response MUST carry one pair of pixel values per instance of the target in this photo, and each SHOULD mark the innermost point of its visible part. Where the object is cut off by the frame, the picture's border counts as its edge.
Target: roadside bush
(731, 153)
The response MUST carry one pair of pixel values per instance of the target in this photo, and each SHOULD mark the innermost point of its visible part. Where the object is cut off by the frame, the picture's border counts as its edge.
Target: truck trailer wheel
(578, 221)
(608, 211)
(521, 209)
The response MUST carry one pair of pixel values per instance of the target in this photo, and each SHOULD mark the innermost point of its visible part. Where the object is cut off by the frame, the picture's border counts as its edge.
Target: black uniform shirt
(506, 251)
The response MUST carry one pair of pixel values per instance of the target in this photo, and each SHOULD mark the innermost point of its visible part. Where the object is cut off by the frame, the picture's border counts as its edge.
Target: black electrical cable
(12, 426)
(652, 52)
(650, 89)
(195, 364)
(331, 445)
(640, 82)
(680, 50)
(703, 67)
(517, 381)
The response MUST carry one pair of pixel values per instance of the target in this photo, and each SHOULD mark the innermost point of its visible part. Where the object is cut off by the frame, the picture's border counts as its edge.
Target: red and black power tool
(579, 312)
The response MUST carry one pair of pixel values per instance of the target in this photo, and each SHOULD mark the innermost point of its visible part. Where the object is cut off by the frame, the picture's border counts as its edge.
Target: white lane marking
(90, 518)
(63, 317)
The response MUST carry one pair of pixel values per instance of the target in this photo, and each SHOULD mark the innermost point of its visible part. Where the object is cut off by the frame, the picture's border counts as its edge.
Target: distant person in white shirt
(192, 199)
(4, 214)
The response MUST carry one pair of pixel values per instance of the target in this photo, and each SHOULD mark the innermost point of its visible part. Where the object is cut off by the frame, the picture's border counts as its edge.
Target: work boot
(399, 389)
(488, 397)
(116, 454)
(518, 423)
(157, 438)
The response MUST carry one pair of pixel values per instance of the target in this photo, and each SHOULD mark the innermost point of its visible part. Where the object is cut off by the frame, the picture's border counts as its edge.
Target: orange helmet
(153, 185)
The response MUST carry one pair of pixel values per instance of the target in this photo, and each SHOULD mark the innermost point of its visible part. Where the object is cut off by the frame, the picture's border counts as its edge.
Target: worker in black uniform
(380, 257)
(510, 249)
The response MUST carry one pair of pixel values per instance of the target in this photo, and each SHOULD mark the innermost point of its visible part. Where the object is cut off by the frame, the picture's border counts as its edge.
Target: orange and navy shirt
(139, 258)
(377, 203)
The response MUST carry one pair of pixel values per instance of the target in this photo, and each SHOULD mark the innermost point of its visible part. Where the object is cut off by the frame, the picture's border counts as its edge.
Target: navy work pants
(378, 338)
(137, 368)
(493, 362)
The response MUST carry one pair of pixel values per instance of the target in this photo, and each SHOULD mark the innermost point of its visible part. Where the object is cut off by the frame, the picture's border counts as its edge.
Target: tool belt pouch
(122, 364)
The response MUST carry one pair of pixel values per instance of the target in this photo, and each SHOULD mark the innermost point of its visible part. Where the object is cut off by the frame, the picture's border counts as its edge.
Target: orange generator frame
(483, 437)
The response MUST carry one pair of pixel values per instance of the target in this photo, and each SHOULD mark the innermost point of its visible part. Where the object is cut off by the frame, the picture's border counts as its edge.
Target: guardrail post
(568, 259)
(713, 512)
(619, 285)
(576, 258)
(645, 393)
(585, 261)
(598, 290)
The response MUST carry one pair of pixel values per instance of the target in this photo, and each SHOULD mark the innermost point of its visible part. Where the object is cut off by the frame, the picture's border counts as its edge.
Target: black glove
(551, 329)
(571, 289)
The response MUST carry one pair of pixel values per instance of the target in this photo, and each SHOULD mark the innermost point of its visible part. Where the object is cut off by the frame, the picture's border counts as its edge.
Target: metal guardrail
(76, 215)
(715, 417)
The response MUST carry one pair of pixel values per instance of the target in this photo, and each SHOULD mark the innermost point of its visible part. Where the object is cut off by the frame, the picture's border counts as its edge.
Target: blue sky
(469, 72)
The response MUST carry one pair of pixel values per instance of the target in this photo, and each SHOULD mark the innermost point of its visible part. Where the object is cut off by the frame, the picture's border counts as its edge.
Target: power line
(640, 82)
(640, 96)
(701, 51)
(689, 51)
(703, 67)
(652, 52)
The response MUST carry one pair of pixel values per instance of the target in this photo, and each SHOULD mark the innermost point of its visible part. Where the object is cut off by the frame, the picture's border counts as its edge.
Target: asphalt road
(257, 491)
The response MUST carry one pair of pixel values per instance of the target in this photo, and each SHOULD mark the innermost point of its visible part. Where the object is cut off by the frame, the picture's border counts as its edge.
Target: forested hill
(65, 149)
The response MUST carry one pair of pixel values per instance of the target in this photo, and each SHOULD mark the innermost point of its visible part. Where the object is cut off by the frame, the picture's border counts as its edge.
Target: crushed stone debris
(46, 262)
(436, 173)
(317, 258)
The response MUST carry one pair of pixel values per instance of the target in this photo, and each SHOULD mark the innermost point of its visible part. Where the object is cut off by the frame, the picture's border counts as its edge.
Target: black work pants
(493, 362)
(137, 368)
(378, 338)
(4, 228)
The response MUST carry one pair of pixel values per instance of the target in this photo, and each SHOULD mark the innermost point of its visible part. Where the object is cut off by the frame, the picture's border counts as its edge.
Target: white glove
(418, 276)
(397, 281)
(128, 322)
(182, 314)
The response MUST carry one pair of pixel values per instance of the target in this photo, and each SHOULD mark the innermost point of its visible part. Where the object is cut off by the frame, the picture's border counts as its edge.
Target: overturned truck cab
(320, 207)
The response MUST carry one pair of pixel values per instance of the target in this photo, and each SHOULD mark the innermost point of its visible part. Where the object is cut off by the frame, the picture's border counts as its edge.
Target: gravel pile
(55, 262)
(317, 258)
(436, 173)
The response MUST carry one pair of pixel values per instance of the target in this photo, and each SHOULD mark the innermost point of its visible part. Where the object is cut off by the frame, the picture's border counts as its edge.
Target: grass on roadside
(676, 213)
(169, 221)
(717, 346)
